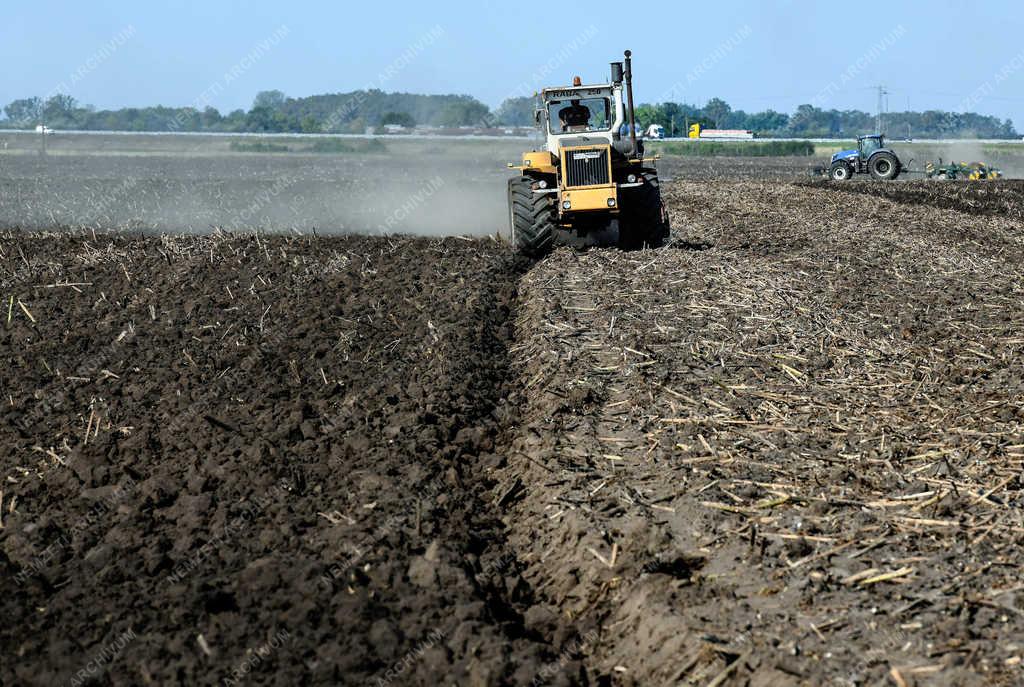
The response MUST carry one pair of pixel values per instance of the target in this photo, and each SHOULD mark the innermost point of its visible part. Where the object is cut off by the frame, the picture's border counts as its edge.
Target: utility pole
(881, 104)
(908, 118)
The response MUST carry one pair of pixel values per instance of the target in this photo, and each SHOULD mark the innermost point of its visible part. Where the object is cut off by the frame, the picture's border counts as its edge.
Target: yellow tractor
(590, 184)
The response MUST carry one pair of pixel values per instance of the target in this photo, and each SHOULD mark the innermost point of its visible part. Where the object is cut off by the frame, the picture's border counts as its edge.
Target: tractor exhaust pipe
(629, 98)
(616, 73)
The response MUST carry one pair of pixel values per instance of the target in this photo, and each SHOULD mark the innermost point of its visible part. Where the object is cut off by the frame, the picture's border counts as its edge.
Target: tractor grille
(586, 167)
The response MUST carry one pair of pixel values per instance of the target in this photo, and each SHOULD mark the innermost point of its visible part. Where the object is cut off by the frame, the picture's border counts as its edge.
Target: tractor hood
(844, 155)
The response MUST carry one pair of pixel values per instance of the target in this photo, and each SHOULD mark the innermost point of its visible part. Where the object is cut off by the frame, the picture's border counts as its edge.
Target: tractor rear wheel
(643, 220)
(531, 218)
(884, 166)
(840, 171)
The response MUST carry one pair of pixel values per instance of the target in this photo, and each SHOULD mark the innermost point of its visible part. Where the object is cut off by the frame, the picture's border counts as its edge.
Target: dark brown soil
(1003, 197)
(286, 439)
(784, 450)
(734, 168)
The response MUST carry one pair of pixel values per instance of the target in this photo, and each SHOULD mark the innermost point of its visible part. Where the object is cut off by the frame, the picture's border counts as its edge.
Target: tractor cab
(578, 114)
(867, 145)
(579, 111)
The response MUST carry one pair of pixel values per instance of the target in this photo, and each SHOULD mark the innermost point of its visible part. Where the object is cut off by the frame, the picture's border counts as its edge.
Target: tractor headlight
(566, 205)
(611, 202)
(542, 184)
(631, 178)
(528, 163)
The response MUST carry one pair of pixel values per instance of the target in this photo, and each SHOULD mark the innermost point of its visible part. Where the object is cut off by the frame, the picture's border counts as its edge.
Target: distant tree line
(271, 112)
(813, 122)
(355, 112)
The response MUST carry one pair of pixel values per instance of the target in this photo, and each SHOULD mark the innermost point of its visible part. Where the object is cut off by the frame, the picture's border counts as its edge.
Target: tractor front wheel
(884, 166)
(531, 218)
(840, 171)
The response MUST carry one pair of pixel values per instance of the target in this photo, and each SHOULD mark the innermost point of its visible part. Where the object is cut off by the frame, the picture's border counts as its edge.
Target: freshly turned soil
(784, 450)
(999, 197)
(286, 437)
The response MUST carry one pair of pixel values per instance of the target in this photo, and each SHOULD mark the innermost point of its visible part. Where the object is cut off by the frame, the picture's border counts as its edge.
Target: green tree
(25, 112)
(464, 113)
(647, 115)
(768, 121)
(310, 125)
(271, 100)
(356, 126)
(59, 109)
(516, 112)
(235, 121)
(717, 110)
(403, 119)
(260, 119)
(810, 121)
(210, 118)
(673, 118)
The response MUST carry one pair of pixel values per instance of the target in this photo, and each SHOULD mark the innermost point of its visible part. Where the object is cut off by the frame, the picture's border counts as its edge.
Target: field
(784, 450)
(700, 148)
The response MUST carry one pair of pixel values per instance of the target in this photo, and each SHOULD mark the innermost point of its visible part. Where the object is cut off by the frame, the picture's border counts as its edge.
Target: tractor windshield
(574, 116)
(869, 145)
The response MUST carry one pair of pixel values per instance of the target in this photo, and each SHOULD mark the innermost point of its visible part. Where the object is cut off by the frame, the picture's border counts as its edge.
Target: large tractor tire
(643, 221)
(840, 171)
(884, 166)
(531, 219)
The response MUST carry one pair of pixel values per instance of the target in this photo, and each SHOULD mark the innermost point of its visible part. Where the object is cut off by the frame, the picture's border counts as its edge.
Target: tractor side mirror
(537, 115)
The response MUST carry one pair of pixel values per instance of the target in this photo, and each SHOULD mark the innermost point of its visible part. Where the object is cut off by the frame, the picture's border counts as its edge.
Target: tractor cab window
(579, 115)
(869, 145)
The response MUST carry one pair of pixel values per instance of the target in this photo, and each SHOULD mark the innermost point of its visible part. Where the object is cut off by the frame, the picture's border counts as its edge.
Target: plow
(973, 171)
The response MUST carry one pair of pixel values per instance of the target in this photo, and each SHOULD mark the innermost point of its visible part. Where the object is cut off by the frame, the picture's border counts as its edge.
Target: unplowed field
(784, 450)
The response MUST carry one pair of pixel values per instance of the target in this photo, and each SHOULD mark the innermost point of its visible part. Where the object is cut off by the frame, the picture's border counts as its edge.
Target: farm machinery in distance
(872, 157)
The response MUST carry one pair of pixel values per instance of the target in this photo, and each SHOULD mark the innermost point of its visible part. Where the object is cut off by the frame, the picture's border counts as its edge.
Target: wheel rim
(883, 167)
(839, 174)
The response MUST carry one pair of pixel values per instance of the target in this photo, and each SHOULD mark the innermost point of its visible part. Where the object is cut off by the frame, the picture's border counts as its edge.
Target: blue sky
(755, 55)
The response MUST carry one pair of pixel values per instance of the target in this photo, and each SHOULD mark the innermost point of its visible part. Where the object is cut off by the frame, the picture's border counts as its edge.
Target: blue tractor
(870, 157)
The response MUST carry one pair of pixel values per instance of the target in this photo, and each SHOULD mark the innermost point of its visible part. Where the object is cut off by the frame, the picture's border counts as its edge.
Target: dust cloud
(429, 189)
(1007, 158)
